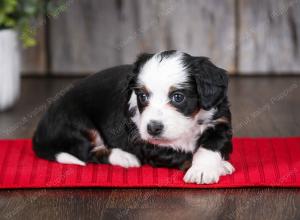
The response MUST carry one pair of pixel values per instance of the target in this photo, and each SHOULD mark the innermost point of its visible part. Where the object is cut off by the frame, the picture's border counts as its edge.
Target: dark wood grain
(248, 96)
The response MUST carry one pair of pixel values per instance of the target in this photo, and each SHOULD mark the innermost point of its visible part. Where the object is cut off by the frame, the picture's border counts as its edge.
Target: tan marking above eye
(142, 89)
(172, 89)
(221, 120)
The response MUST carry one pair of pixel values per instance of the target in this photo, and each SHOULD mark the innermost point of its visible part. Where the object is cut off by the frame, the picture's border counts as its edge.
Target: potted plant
(16, 25)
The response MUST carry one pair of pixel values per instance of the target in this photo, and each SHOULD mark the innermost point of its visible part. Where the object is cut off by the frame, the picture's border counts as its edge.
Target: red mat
(272, 162)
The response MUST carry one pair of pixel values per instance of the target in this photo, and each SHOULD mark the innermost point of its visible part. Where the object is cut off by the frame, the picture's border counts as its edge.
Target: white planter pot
(9, 68)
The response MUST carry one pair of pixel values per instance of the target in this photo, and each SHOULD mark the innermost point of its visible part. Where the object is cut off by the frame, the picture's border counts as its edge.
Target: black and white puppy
(169, 109)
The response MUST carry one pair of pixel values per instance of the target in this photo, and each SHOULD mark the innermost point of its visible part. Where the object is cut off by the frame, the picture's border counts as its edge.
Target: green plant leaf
(22, 14)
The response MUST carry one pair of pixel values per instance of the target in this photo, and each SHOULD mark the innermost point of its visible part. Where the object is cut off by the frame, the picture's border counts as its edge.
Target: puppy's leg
(101, 154)
(91, 148)
(207, 167)
(115, 156)
(123, 158)
(76, 153)
(67, 158)
(208, 161)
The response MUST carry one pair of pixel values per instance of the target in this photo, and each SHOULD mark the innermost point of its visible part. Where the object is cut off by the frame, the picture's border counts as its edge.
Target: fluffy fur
(168, 109)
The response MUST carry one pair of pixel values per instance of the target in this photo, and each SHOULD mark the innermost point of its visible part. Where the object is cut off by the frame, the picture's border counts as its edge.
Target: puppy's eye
(143, 98)
(177, 98)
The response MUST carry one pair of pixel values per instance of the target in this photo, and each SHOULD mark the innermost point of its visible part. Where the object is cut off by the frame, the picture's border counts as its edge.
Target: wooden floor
(261, 106)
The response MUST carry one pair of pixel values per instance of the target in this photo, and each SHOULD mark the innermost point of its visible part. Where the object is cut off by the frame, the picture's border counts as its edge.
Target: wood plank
(203, 28)
(269, 36)
(92, 35)
(84, 36)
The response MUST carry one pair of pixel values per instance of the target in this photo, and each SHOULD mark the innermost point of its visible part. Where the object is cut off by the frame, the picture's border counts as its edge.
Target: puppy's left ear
(211, 81)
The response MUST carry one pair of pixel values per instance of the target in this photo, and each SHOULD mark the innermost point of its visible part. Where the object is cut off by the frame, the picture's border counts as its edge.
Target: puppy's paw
(201, 175)
(123, 159)
(207, 174)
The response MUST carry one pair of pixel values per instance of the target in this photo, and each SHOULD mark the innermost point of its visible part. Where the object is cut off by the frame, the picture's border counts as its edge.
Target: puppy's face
(168, 97)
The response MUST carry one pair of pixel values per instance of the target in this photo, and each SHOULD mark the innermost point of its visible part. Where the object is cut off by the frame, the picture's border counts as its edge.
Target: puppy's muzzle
(155, 128)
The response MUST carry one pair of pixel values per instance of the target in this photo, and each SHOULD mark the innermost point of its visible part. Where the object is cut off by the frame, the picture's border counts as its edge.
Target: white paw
(123, 159)
(207, 174)
(66, 158)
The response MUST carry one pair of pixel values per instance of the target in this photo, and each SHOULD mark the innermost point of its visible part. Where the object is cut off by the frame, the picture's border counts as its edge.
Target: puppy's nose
(155, 128)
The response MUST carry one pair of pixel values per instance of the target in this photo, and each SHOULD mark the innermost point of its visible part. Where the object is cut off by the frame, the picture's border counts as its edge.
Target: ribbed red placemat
(273, 162)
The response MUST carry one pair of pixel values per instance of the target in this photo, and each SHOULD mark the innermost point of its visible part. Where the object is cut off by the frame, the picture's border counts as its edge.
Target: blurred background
(244, 37)
(258, 42)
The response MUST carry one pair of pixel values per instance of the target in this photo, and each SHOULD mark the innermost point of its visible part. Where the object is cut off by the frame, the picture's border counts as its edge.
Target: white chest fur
(188, 142)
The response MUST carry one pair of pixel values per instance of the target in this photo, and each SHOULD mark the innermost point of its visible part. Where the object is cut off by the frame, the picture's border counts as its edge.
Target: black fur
(211, 81)
(191, 102)
(95, 103)
(100, 102)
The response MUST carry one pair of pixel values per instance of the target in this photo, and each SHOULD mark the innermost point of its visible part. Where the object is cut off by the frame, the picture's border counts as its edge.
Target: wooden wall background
(242, 36)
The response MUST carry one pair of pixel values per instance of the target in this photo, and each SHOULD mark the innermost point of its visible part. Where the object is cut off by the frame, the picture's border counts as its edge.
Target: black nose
(155, 128)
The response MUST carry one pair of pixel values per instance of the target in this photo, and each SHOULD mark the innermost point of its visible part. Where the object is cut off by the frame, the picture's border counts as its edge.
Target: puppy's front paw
(206, 174)
(123, 158)
(201, 175)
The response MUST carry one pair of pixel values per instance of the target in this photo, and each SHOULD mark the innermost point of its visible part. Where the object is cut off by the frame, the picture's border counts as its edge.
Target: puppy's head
(172, 92)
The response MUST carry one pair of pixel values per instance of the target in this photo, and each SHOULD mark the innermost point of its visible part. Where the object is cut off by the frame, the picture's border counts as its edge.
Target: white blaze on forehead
(161, 74)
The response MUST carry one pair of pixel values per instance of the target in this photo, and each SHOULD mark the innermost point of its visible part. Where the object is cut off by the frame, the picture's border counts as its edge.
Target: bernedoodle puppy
(168, 109)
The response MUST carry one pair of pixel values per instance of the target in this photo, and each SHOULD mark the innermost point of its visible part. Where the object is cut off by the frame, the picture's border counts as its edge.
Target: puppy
(168, 109)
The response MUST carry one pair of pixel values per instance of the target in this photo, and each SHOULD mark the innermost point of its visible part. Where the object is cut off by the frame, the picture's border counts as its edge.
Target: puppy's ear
(211, 81)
